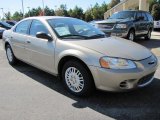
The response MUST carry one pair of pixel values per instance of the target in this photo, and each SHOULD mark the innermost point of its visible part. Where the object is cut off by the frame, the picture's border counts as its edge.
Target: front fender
(75, 53)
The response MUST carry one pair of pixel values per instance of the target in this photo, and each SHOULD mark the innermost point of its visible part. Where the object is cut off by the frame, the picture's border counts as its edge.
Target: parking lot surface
(27, 93)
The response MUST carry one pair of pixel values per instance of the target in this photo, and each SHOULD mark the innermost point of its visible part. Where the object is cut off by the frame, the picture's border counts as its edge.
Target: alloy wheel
(74, 79)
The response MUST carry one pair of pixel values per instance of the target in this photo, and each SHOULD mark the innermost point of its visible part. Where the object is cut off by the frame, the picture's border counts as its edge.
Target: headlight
(121, 26)
(96, 25)
(116, 63)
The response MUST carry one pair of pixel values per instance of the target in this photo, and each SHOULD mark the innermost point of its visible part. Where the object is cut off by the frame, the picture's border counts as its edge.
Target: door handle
(28, 41)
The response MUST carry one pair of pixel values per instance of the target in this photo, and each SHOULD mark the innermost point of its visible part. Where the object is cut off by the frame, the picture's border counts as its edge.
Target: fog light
(127, 84)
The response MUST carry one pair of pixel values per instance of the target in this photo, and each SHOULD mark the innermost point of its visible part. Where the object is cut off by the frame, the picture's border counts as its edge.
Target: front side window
(144, 16)
(37, 26)
(74, 29)
(123, 15)
(139, 15)
(22, 27)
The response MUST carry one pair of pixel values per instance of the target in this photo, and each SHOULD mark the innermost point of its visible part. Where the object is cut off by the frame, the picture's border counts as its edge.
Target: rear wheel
(77, 79)
(10, 55)
(148, 36)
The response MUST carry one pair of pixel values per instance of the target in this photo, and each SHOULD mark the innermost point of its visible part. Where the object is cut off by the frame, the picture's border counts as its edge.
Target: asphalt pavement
(27, 93)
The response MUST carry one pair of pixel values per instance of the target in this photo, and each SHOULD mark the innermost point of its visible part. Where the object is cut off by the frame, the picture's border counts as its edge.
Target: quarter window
(22, 27)
(150, 18)
(37, 26)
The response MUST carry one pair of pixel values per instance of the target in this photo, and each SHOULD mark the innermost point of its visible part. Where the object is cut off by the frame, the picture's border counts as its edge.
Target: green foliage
(156, 11)
(61, 11)
(8, 16)
(77, 12)
(17, 16)
(88, 15)
(113, 3)
(151, 3)
(49, 12)
(95, 12)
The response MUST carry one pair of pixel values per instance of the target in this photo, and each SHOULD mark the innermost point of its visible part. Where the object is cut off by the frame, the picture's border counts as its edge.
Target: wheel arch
(64, 59)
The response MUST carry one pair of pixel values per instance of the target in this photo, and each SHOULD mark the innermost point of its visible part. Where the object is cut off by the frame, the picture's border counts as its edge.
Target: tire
(10, 55)
(77, 79)
(131, 35)
(148, 36)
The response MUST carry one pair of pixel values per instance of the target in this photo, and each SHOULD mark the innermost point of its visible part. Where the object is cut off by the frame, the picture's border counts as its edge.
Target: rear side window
(150, 18)
(22, 27)
(37, 26)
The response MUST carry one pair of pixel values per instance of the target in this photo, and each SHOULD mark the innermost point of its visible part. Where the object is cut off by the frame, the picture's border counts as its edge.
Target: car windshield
(123, 15)
(71, 28)
(6, 24)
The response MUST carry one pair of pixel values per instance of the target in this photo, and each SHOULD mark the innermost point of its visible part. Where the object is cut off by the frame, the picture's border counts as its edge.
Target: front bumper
(116, 32)
(124, 80)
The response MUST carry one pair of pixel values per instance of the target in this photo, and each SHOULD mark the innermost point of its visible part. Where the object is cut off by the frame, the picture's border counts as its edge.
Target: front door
(41, 51)
(139, 24)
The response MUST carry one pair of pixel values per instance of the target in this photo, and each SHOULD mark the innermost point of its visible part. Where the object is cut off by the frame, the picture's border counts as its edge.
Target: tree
(49, 12)
(62, 11)
(88, 15)
(104, 7)
(17, 16)
(97, 12)
(156, 11)
(151, 3)
(8, 16)
(77, 12)
(113, 3)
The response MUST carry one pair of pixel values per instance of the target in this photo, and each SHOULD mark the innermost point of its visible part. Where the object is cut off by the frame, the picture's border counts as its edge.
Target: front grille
(106, 26)
(145, 79)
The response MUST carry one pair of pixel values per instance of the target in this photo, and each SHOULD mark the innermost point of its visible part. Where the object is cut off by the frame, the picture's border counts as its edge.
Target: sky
(16, 5)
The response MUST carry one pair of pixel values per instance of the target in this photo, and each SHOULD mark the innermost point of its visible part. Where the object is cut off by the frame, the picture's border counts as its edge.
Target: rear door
(145, 24)
(18, 38)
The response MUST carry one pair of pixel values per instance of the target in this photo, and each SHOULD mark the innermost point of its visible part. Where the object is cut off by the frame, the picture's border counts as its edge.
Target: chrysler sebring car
(82, 56)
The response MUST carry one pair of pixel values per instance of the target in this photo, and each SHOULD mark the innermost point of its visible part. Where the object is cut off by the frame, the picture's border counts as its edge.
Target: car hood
(115, 47)
(112, 21)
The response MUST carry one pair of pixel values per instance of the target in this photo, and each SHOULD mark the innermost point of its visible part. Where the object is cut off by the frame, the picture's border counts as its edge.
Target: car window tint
(145, 17)
(139, 14)
(37, 26)
(22, 27)
(150, 18)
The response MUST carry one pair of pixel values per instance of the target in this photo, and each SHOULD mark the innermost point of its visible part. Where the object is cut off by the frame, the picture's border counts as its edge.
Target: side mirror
(44, 36)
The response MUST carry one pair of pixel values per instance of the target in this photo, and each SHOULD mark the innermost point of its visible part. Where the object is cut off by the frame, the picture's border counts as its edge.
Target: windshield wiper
(98, 36)
(70, 35)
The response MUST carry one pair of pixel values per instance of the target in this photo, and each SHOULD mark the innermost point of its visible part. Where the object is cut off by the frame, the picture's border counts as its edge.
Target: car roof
(134, 11)
(45, 17)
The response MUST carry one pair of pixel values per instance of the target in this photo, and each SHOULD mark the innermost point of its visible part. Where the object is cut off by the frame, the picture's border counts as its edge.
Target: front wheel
(148, 36)
(131, 35)
(10, 55)
(77, 79)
